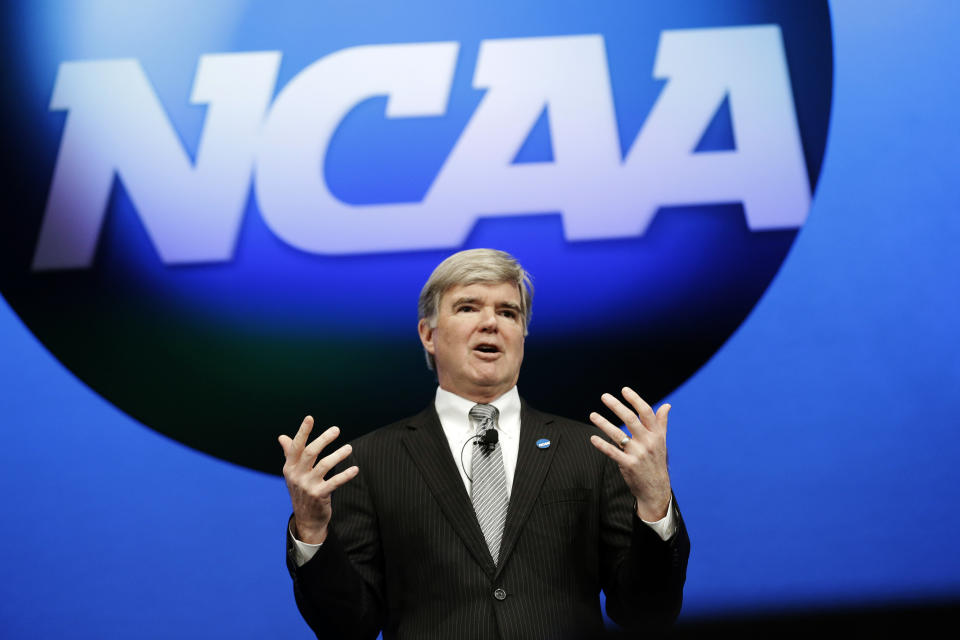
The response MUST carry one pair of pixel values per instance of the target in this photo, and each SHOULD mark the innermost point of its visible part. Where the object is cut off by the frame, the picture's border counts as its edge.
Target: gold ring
(623, 442)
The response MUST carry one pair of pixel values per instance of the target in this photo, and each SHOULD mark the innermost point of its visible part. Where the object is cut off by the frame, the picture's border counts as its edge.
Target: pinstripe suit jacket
(405, 553)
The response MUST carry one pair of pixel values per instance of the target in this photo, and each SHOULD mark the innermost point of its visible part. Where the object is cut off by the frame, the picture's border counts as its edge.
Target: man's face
(477, 342)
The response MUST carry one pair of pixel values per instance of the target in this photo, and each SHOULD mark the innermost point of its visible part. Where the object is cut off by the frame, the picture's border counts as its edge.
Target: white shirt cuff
(665, 526)
(303, 551)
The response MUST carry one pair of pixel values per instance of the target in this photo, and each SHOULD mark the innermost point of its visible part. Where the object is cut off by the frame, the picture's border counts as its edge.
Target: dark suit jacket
(405, 553)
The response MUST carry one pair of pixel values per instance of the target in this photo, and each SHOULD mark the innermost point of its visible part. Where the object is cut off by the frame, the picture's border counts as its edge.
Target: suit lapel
(532, 465)
(427, 445)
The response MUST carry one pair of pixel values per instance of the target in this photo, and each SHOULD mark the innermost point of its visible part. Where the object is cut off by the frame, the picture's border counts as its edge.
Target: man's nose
(488, 320)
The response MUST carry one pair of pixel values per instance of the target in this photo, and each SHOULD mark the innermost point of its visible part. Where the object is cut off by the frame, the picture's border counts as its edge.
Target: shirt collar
(455, 411)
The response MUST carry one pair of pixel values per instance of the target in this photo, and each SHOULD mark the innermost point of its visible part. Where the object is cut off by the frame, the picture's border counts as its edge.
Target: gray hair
(474, 266)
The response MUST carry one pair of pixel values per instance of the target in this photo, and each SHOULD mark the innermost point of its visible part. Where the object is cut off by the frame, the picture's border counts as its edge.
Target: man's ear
(426, 334)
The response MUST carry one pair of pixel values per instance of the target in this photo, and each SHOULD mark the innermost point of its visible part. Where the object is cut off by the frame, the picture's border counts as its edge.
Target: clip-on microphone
(488, 439)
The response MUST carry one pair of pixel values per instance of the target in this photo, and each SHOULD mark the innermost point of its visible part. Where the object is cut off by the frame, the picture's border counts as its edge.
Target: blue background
(815, 456)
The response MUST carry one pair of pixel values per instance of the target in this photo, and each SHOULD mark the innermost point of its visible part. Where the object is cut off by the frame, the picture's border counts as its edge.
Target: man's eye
(465, 308)
(509, 314)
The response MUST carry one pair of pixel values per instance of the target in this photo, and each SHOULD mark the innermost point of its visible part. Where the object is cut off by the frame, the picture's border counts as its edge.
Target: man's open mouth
(486, 348)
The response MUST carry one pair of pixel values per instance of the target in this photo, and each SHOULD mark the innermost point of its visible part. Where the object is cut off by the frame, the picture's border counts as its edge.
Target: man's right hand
(309, 491)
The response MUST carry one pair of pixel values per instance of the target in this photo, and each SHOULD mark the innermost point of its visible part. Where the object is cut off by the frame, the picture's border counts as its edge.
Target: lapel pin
(543, 443)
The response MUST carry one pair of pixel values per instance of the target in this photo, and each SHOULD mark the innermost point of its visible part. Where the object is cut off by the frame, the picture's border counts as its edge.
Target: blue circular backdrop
(224, 354)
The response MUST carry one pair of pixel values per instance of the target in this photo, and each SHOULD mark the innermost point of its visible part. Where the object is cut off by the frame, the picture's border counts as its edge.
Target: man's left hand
(642, 456)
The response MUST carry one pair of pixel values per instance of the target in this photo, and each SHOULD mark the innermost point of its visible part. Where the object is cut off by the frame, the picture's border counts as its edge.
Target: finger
(333, 459)
(612, 452)
(614, 433)
(662, 413)
(300, 440)
(647, 417)
(342, 478)
(314, 448)
(285, 443)
(629, 418)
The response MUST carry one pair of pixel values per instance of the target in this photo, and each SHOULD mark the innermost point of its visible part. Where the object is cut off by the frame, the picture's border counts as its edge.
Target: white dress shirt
(454, 414)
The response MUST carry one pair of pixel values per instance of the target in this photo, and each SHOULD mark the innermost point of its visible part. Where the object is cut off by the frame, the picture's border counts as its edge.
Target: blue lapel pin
(543, 443)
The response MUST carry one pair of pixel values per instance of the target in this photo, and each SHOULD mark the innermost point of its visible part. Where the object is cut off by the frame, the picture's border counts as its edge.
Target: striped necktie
(489, 491)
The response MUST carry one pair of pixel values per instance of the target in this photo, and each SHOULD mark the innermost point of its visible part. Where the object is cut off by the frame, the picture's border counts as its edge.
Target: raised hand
(641, 453)
(309, 491)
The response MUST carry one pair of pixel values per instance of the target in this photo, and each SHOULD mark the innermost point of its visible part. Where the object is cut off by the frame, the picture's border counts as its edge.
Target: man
(482, 517)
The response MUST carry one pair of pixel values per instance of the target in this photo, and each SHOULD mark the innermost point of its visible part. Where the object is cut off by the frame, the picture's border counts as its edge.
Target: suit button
(500, 594)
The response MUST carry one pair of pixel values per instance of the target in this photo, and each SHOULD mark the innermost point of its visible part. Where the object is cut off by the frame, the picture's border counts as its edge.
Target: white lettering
(568, 76)
(192, 211)
(116, 125)
(291, 190)
(766, 172)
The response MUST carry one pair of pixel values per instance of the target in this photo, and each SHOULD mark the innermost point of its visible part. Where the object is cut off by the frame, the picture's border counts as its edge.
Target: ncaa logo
(224, 230)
